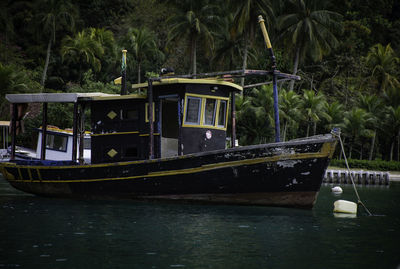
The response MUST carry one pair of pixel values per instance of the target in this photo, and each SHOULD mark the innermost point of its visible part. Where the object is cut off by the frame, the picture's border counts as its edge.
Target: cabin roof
(168, 81)
(66, 97)
(55, 129)
(4, 123)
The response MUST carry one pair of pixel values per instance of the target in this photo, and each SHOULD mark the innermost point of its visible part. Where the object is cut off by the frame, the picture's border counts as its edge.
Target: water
(40, 232)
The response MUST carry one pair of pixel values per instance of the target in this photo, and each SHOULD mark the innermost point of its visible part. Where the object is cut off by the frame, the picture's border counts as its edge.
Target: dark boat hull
(278, 174)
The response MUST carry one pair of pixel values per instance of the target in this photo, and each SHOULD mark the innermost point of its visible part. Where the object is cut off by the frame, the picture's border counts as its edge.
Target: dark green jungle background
(347, 53)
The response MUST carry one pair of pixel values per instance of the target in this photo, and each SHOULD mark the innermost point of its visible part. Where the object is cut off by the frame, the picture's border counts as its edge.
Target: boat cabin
(188, 115)
(177, 116)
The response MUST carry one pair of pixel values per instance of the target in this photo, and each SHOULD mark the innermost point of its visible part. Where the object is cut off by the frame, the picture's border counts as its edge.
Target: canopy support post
(81, 133)
(75, 133)
(180, 127)
(13, 130)
(44, 132)
(233, 113)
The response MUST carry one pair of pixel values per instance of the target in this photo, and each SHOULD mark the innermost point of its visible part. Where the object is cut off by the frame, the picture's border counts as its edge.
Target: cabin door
(169, 127)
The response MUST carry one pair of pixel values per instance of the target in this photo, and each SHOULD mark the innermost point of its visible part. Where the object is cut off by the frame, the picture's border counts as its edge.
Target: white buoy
(337, 189)
(343, 206)
(344, 215)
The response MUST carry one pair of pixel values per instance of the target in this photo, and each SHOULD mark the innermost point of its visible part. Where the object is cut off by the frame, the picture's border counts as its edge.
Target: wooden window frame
(202, 111)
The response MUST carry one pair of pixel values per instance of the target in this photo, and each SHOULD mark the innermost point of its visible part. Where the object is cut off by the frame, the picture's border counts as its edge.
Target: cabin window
(193, 109)
(56, 142)
(222, 113)
(205, 111)
(209, 111)
(86, 143)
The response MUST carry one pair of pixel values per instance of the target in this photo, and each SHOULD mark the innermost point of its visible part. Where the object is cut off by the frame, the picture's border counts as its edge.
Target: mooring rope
(336, 132)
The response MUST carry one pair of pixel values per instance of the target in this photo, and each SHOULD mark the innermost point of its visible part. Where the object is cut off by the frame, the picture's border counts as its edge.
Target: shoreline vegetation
(347, 54)
(375, 165)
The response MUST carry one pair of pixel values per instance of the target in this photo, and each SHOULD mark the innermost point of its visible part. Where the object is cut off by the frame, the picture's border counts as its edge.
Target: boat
(183, 158)
(170, 143)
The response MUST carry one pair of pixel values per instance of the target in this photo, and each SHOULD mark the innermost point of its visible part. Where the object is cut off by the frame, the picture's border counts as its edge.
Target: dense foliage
(345, 51)
(375, 165)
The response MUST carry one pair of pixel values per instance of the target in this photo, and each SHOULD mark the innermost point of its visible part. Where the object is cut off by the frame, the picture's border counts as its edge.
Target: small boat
(58, 146)
(170, 144)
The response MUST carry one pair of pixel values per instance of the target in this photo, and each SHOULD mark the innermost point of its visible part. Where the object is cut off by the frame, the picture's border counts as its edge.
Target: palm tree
(383, 63)
(108, 61)
(12, 80)
(255, 115)
(392, 127)
(307, 28)
(312, 105)
(142, 43)
(289, 109)
(245, 21)
(82, 49)
(333, 115)
(374, 106)
(392, 96)
(228, 46)
(52, 15)
(193, 22)
(355, 126)
(6, 24)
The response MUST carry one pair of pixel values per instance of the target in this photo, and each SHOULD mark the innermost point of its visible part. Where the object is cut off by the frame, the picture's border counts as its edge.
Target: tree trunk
(346, 88)
(6, 48)
(350, 150)
(391, 151)
(194, 67)
(308, 129)
(295, 67)
(138, 73)
(80, 74)
(315, 128)
(398, 145)
(246, 52)
(371, 151)
(284, 130)
(46, 64)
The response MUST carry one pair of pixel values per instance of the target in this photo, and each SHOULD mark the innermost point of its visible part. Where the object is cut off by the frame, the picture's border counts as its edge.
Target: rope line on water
(337, 133)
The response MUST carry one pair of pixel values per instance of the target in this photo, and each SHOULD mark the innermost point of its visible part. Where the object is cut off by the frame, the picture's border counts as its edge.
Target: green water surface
(38, 232)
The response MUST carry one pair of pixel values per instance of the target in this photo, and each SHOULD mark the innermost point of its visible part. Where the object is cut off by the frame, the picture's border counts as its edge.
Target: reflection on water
(56, 233)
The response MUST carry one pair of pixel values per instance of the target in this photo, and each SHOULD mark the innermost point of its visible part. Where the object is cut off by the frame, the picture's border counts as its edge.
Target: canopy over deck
(55, 97)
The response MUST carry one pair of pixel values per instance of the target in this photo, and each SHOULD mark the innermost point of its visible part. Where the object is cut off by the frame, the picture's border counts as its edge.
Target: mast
(274, 77)
(123, 71)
